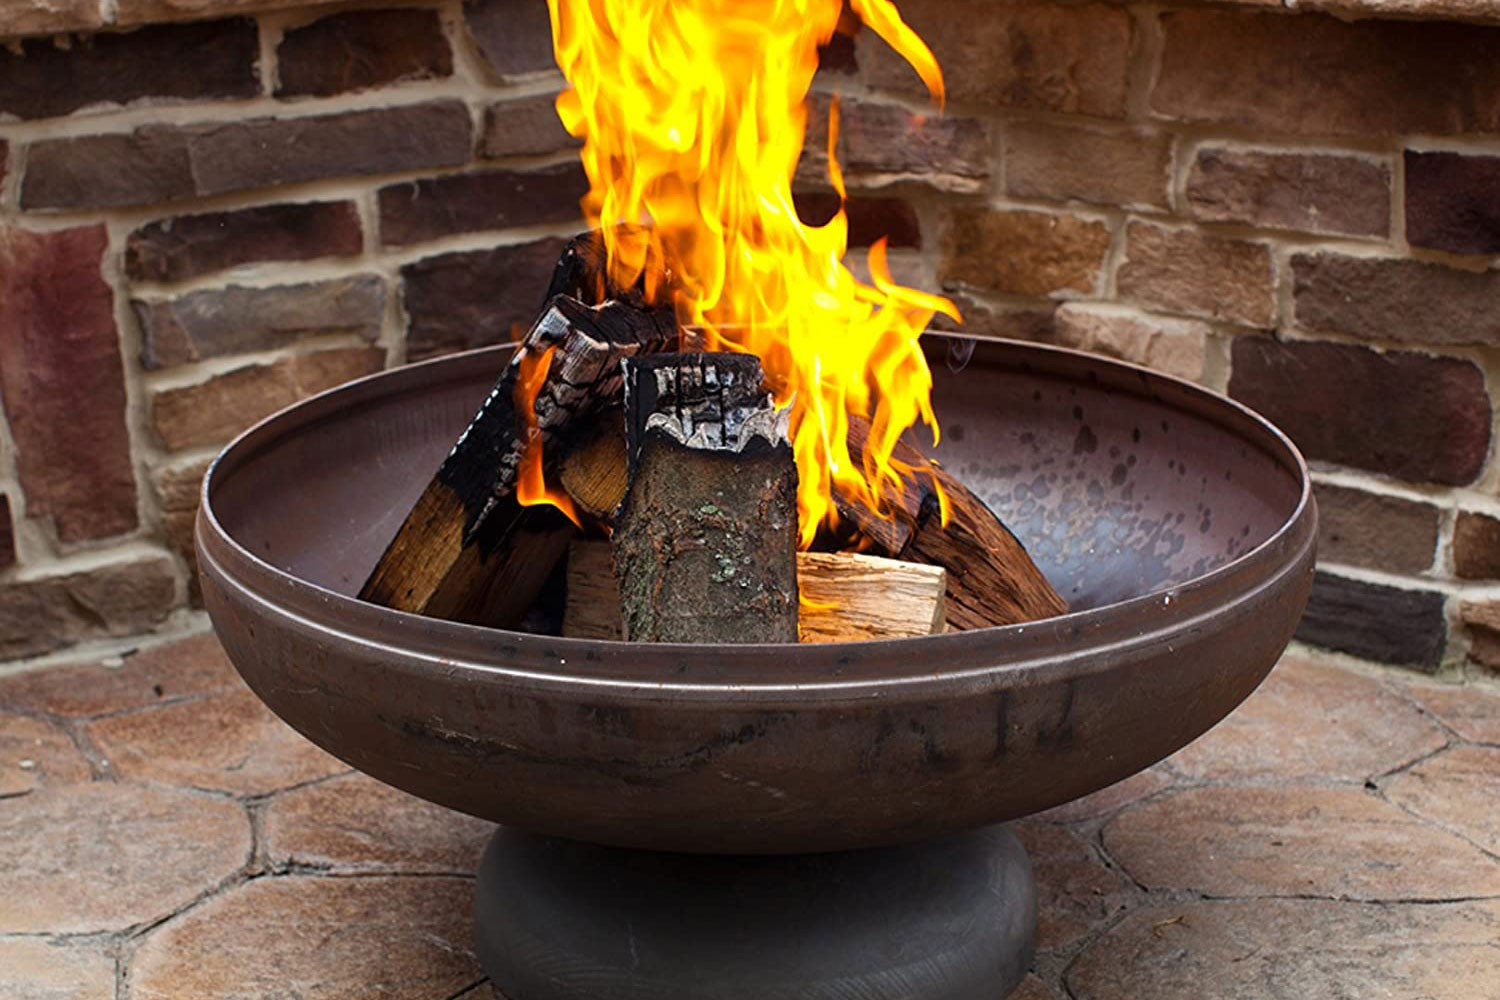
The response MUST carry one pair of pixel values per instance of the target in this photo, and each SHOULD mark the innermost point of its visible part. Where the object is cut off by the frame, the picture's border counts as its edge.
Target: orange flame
(531, 486)
(693, 114)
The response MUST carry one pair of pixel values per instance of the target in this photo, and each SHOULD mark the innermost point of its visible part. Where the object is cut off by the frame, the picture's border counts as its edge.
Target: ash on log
(705, 541)
(469, 550)
(991, 578)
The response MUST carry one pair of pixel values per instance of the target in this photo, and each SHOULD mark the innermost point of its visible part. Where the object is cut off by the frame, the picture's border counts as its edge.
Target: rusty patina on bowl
(1179, 525)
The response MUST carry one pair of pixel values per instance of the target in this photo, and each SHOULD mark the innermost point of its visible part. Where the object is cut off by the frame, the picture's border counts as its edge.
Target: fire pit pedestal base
(949, 919)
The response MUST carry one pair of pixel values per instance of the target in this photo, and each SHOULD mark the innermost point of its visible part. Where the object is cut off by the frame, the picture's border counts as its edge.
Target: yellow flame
(531, 486)
(693, 114)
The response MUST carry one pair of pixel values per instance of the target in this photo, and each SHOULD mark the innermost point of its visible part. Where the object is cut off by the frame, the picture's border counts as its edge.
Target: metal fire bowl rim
(1032, 653)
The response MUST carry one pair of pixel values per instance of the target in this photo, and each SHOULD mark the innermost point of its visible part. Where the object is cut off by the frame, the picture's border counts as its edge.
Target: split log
(991, 578)
(847, 596)
(469, 550)
(593, 470)
(705, 541)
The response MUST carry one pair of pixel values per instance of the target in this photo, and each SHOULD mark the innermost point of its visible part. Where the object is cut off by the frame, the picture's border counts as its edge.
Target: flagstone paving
(164, 837)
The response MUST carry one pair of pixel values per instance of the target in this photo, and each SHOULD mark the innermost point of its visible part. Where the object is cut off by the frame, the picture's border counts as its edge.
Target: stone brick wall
(212, 208)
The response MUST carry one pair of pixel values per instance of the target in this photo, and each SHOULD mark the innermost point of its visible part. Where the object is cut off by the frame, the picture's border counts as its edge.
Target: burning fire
(693, 114)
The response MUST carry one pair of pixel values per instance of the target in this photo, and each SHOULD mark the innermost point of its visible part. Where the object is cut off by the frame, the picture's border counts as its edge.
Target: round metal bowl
(1179, 525)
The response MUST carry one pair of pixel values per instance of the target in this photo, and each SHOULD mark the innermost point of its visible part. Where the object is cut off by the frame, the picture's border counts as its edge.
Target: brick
(177, 497)
(880, 141)
(1177, 347)
(981, 319)
(63, 383)
(50, 17)
(234, 320)
(168, 162)
(213, 411)
(1315, 75)
(870, 218)
(1375, 531)
(1398, 413)
(839, 56)
(1073, 59)
(45, 613)
(212, 59)
(513, 36)
(1482, 619)
(527, 126)
(117, 855)
(434, 207)
(1393, 299)
(1125, 167)
(1476, 546)
(457, 301)
(264, 152)
(7, 534)
(1022, 252)
(186, 246)
(1310, 192)
(133, 12)
(1453, 202)
(1375, 622)
(1183, 270)
(355, 50)
(151, 164)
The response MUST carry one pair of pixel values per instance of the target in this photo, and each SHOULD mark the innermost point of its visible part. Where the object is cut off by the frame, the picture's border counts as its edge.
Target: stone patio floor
(163, 837)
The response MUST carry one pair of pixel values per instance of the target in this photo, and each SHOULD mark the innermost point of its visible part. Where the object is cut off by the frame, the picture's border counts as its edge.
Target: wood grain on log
(705, 540)
(847, 597)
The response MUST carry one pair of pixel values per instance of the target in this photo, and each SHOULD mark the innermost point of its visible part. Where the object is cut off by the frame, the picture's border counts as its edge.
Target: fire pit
(1179, 527)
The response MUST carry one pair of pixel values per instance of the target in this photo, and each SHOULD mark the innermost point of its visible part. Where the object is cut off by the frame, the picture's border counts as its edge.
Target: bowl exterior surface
(765, 749)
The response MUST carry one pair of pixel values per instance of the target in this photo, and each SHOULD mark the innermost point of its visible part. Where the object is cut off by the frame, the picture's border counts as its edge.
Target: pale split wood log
(846, 596)
(992, 580)
(705, 539)
(468, 550)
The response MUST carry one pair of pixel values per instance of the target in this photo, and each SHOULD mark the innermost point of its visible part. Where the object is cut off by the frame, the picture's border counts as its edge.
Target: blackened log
(992, 580)
(468, 550)
(705, 542)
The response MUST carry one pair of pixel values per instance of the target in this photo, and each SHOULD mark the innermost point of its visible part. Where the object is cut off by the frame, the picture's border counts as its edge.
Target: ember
(782, 426)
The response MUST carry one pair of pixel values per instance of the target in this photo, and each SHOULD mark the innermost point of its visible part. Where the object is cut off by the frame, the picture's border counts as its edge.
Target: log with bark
(846, 596)
(705, 540)
(469, 550)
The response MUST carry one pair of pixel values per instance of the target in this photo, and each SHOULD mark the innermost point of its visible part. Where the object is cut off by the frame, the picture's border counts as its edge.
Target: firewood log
(705, 540)
(847, 596)
(469, 550)
(991, 578)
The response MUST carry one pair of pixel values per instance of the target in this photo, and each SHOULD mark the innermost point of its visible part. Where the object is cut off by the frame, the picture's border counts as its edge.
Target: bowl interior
(1118, 484)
